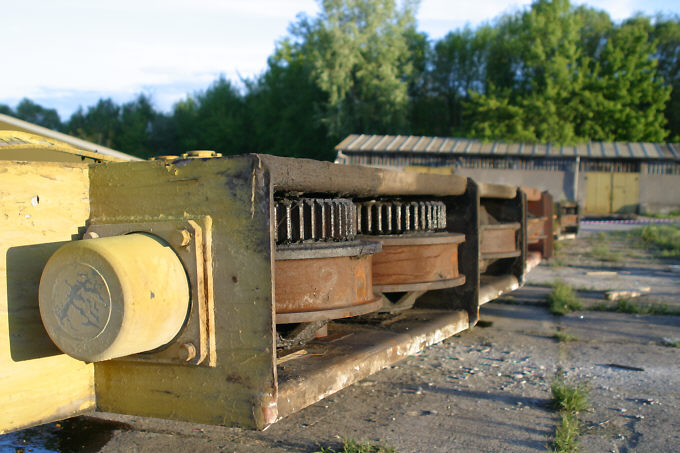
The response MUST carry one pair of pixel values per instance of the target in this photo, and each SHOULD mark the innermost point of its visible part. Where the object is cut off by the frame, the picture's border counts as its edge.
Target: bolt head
(187, 352)
(182, 238)
(90, 235)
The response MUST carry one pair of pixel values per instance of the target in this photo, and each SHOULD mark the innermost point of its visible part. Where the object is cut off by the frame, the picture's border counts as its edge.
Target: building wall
(659, 193)
(560, 184)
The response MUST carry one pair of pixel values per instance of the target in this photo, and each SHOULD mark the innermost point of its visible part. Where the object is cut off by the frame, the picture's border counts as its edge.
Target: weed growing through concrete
(569, 399)
(563, 299)
(664, 239)
(671, 342)
(566, 435)
(351, 446)
(638, 308)
(564, 336)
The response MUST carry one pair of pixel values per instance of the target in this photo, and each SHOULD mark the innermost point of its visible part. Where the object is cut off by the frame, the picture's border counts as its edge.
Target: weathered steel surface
(498, 239)
(541, 240)
(319, 284)
(314, 176)
(531, 193)
(357, 353)
(191, 240)
(24, 146)
(100, 299)
(13, 125)
(492, 287)
(235, 192)
(42, 205)
(409, 260)
(463, 217)
(497, 191)
(314, 219)
(535, 229)
(388, 217)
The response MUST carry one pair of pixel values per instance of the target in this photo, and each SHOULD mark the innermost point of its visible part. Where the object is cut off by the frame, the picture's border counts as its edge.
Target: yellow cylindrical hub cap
(115, 296)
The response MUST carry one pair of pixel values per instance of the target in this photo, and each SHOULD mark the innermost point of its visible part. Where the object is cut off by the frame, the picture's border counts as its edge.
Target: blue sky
(67, 53)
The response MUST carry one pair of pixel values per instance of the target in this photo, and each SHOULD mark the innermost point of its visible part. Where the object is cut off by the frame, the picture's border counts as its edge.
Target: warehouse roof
(462, 146)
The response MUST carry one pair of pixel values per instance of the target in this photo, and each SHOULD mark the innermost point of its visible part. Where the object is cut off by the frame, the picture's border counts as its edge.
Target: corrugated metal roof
(453, 145)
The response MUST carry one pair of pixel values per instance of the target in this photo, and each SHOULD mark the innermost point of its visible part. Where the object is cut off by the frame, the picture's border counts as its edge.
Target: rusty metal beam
(357, 353)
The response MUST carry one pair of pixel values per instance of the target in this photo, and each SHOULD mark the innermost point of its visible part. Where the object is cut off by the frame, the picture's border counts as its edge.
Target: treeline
(551, 73)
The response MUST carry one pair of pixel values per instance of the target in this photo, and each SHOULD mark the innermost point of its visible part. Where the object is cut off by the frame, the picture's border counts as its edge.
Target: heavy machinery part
(314, 219)
(539, 222)
(24, 146)
(535, 229)
(250, 383)
(111, 297)
(567, 218)
(324, 281)
(499, 241)
(422, 262)
(494, 286)
(191, 240)
(378, 217)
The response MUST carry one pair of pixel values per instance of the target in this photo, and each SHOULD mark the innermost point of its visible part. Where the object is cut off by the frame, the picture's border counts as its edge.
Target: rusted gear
(314, 220)
(379, 217)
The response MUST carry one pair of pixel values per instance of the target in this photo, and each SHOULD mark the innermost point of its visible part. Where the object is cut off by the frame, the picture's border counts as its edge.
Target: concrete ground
(486, 389)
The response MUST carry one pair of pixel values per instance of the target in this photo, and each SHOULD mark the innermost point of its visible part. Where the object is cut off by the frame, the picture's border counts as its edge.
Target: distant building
(619, 177)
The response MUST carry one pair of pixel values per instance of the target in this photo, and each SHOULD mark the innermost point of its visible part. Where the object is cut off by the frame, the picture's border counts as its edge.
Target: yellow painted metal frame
(16, 145)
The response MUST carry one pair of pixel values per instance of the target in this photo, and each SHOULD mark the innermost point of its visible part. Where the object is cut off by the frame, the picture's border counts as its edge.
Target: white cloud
(58, 50)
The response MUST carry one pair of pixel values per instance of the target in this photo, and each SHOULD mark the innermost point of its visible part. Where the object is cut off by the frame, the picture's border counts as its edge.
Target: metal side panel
(240, 389)
(42, 205)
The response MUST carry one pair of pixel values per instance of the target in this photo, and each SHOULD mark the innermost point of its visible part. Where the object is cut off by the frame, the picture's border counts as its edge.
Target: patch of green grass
(351, 446)
(566, 435)
(669, 215)
(637, 308)
(568, 397)
(671, 342)
(664, 239)
(564, 336)
(563, 299)
(602, 252)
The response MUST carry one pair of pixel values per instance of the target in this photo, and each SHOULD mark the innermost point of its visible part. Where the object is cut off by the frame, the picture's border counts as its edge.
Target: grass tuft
(665, 239)
(564, 336)
(351, 446)
(563, 299)
(567, 397)
(566, 435)
(637, 308)
(671, 342)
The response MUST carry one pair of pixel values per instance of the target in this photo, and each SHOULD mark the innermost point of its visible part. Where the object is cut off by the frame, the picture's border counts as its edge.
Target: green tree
(99, 124)
(624, 97)
(285, 104)
(137, 120)
(458, 67)
(666, 34)
(28, 110)
(360, 55)
(215, 119)
(536, 97)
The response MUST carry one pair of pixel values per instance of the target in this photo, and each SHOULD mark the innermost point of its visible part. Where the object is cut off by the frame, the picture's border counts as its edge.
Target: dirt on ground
(486, 389)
